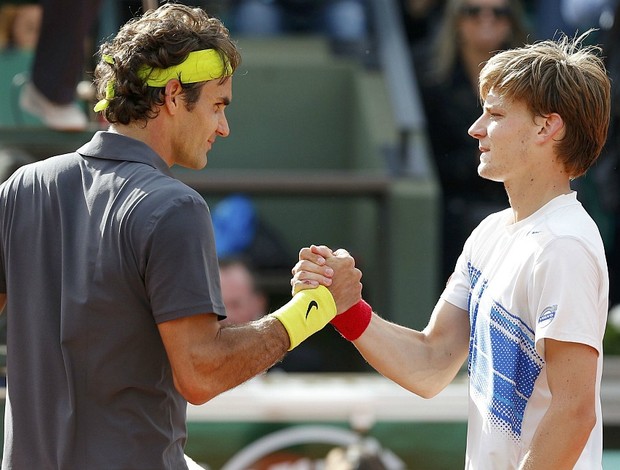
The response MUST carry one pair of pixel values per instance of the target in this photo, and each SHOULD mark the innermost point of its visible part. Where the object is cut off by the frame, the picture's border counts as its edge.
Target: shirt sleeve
(182, 272)
(568, 295)
(458, 287)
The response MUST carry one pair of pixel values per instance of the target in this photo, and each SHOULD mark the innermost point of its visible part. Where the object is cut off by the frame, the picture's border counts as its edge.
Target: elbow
(423, 390)
(195, 392)
(588, 418)
(196, 397)
(587, 423)
(584, 416)
(428, 392)
(427, 388)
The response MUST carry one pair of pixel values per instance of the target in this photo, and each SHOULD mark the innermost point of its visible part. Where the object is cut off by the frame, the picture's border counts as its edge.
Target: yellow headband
(109, 89)
(200, 66)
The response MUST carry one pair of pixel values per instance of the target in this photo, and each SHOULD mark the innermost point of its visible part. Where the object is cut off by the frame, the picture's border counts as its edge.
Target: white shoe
(66, 117)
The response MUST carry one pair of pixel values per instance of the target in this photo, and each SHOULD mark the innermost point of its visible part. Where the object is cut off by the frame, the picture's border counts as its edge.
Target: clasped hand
(319, 265)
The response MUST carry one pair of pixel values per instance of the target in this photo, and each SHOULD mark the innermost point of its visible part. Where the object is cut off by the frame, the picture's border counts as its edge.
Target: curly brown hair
(160, 38)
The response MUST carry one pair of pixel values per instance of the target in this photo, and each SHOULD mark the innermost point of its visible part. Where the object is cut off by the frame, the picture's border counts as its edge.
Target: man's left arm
(564, 431)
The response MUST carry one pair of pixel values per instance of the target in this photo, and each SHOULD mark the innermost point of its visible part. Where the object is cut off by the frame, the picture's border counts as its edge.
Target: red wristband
(353, 322)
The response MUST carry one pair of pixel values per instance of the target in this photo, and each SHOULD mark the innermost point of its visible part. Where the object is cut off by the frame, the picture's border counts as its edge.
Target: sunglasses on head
(474, 11)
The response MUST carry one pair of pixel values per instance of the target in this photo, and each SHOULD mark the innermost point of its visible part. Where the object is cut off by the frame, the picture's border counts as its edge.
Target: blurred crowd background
(48, 52)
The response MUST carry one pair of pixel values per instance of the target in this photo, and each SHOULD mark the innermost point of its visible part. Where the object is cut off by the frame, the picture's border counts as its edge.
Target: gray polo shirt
(97, 247)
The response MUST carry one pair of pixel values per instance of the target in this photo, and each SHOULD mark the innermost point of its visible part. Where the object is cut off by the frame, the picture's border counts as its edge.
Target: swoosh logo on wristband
(310, 305)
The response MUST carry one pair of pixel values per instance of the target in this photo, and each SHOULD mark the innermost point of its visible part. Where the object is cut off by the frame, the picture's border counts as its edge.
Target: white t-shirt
(543, 277)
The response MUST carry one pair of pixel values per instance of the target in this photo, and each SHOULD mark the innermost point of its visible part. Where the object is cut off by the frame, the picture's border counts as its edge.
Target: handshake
(326, 288)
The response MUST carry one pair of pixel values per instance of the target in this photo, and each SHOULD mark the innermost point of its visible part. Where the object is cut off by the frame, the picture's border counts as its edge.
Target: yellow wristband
(306, 313)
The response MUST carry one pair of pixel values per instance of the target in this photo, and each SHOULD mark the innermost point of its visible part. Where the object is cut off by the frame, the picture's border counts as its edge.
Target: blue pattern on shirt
(503, 363)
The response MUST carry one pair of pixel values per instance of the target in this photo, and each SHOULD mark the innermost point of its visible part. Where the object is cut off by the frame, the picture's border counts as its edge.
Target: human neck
(148, 134)
(526, 199)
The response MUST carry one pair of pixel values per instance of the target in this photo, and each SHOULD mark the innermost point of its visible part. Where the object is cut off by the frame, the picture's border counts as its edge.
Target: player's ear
(171, 95)
(551, 127)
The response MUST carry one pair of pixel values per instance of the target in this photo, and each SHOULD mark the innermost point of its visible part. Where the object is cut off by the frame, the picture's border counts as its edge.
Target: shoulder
(168, 200)
(569, 227)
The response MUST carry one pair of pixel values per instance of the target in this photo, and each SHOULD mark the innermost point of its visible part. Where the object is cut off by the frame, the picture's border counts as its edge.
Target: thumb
(322, 250)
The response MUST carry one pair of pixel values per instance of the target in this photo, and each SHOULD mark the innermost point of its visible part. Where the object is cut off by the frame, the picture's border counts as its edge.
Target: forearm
(408, 357)
(243, 351)
(216, 358)
(236, 354)
(560, 438)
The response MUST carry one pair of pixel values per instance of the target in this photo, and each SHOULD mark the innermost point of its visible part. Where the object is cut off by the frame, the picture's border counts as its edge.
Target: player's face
(203, 124)
(505, 131)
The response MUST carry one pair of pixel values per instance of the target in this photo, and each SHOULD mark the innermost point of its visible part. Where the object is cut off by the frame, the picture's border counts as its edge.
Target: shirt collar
(112, 146)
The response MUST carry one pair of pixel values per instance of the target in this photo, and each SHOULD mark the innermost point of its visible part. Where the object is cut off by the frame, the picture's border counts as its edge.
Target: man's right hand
(319, 265)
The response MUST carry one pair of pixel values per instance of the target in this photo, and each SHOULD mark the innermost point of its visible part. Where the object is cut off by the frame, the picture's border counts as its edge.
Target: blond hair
(561, 76)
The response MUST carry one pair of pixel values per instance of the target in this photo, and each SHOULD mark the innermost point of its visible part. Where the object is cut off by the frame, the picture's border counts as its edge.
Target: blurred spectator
(421, 19)
(246, 301)
(345, 22)
(243, 299)
(470, 32)
(59, 63)
(250, 246)
(19, 26)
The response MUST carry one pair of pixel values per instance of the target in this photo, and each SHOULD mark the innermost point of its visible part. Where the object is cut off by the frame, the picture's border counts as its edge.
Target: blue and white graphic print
(503, 362)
